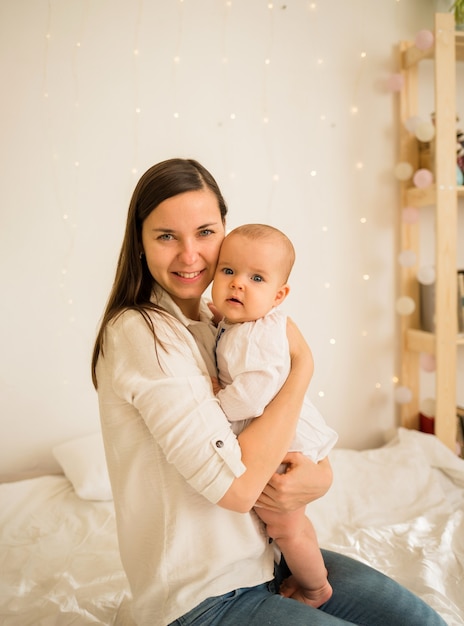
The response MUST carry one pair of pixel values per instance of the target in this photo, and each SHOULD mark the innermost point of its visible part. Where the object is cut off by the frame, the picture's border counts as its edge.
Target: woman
(183, 484)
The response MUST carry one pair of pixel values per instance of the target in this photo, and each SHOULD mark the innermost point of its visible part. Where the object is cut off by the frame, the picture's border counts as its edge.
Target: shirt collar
(164, 300)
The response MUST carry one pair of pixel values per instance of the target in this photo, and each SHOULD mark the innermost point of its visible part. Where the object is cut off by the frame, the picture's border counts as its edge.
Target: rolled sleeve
(172, 392)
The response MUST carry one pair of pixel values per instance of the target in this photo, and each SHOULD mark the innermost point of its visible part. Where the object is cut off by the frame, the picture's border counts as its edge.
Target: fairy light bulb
(403, 395)
(407, 258)
(403, 170)
(405, 305)
(428, 407)
(426, 275)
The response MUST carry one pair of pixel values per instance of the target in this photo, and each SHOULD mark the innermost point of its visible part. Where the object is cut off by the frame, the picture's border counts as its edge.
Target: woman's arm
(264, 443)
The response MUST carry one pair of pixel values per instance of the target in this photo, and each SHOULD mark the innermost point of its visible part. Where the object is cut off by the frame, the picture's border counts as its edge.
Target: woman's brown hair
(133, 283)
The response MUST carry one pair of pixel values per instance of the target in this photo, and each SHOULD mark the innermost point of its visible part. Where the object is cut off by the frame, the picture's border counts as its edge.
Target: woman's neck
(190, 308)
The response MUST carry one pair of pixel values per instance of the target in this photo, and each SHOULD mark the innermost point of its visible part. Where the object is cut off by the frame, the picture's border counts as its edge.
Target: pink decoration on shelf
(411, 215)
(395, 82)
(427, 362)
(424, 40)
(423, 178)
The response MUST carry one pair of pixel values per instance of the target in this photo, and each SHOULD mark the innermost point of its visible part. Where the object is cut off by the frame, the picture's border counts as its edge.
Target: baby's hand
(216, 385)
(217, 317)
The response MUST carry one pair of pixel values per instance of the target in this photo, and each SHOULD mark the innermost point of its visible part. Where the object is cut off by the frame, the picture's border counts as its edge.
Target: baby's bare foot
(313, 597)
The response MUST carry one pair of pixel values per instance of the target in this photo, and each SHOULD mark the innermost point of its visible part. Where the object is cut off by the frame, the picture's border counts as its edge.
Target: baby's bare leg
(296, 538)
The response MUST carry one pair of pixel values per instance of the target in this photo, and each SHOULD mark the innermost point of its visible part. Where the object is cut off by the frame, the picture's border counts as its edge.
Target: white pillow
(84, 465)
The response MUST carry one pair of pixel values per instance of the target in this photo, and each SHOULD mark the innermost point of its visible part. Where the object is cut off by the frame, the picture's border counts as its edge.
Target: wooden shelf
(426, 197)
(412, 55)
(459, 35)
(422, 341)
(443, 196)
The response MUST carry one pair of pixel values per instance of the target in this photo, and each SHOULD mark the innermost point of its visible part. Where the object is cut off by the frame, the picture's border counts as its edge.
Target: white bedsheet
(399, 508)
(59, 559)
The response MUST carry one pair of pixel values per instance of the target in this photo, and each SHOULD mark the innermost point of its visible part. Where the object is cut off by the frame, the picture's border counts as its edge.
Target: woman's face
(181, 240)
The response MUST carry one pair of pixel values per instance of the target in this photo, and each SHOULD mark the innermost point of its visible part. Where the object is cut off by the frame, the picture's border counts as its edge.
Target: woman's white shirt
(171, 456)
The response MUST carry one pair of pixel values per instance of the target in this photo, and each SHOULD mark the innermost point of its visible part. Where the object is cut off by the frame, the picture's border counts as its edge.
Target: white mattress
(59, 558)
(399, 508)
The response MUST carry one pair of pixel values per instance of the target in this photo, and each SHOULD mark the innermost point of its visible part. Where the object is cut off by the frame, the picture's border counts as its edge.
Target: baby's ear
(281, 294)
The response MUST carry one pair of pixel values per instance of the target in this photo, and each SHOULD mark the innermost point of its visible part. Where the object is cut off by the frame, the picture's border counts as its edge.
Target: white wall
(92, 95)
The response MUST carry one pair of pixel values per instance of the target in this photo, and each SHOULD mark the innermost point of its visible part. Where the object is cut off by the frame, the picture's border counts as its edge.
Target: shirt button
(219, 444)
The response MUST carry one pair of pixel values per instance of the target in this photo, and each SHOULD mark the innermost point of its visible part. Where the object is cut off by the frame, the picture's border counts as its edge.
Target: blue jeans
(361, 595)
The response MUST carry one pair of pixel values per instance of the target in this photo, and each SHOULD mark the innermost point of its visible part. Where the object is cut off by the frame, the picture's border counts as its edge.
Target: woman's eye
(165, 237)
(206, 232)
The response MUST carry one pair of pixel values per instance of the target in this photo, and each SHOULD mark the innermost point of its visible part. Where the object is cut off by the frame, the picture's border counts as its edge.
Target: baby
(253, 362)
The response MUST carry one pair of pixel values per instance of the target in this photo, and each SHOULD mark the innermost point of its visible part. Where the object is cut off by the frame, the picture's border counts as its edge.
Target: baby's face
(248, 281)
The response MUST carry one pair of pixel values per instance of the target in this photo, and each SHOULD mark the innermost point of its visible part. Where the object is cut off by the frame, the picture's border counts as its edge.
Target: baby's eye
(257, 278)
(227, 271)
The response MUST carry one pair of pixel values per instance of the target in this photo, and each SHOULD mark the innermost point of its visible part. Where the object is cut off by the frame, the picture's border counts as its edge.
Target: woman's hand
(303, 482)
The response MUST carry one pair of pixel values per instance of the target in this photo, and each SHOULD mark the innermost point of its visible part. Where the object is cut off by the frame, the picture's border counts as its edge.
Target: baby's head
(254, 264)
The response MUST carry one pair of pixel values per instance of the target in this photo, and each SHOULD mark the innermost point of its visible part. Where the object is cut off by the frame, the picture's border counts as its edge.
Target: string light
(136, 81)
(178, 55)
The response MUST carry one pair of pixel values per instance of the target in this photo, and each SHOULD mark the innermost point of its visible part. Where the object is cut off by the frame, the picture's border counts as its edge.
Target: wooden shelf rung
(420, 341)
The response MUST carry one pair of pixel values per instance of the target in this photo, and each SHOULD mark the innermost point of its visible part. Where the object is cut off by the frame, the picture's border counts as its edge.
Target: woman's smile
(181, 240)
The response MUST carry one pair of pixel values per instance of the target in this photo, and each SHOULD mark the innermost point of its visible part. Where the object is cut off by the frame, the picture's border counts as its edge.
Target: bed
(399, 508)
